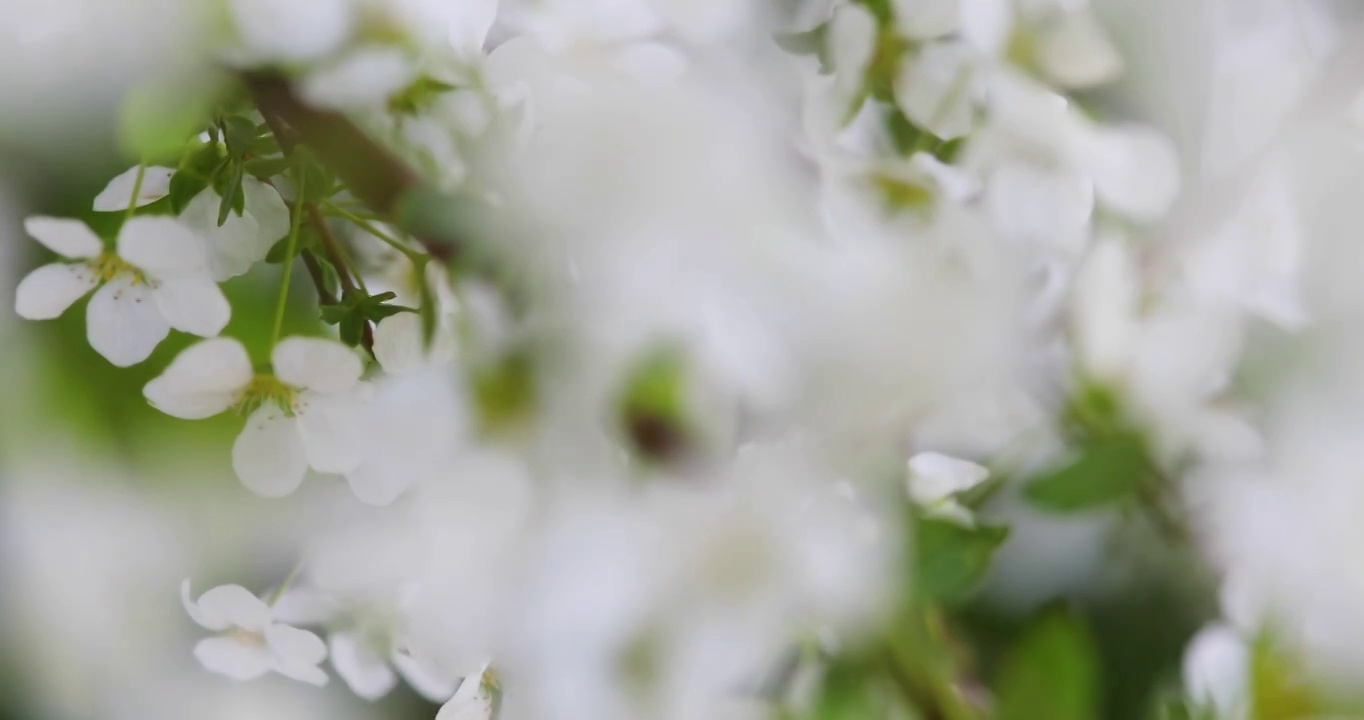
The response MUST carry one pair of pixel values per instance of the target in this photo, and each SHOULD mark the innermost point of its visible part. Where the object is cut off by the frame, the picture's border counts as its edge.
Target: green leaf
(331, 282)
(845, 694)
(238, 132)
(1052, 673)
(1107, 471)
(278, 251)
(232, 198)
(418, 96)
(429, 307)
(266, 168)
(352, 329)
(950, 560)
(184, 187)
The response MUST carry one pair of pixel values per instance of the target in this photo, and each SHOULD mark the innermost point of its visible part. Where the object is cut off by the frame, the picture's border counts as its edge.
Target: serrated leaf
(950, 560)
(1052, 673)
(1107, 471)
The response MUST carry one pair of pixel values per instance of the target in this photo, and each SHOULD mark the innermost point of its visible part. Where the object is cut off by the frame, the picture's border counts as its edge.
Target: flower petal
(203, 380)
(233, 658)
(295, 647)
(68, 238)
(194, 304)
(316, 364)
(268, 454)
(304, 606)
(934, 477)
(115, 196)
(473, 701)
(123, 321)
(242, 240)
(1075, 51)
(47, 292)
(400, 348)
(427, 682)
(1135, 171)
(934, 89)
(161, 246)
(202, 618)
(331, 426)
(233, 605)
(365, 671)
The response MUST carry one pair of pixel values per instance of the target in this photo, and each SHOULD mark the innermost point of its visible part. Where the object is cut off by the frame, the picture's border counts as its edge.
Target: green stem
(416, 257)
(137, 190)
(295, 221)
(288, 582)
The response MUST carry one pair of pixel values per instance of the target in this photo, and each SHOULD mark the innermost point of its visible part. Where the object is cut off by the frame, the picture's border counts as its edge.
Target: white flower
(475, 698)
(295, 31)
(1104, 310)
(155, 280)
(253, 643)
(1217, 672)
(935, 479)
(1075, 51)
(307, 414)
(935, 89)
(363, 649)
(243, 240)
(927, 19)
(155, 185)
(364, 77)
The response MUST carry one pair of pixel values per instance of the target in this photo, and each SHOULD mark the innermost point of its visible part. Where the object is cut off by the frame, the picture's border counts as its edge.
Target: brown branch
(370, 172)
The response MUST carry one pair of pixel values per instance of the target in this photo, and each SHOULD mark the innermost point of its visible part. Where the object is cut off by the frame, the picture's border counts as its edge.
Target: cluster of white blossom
(727, 314)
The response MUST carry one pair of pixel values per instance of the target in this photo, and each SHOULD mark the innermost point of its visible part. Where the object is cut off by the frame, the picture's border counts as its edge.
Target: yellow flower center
(266, 388)
(108, 266)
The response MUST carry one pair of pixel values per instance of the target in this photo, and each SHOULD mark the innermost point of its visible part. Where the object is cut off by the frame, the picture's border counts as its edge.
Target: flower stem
(292, 247)
(288, 582)
(137, 190)
(369, 227)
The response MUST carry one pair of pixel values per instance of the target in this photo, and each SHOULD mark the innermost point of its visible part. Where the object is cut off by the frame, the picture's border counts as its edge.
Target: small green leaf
(951, 559)
(184, 187)
(352, 329)
(331, 282)
(333, 314)
(1107, 471)
(238, 132)
(232, 198)
(429, 308)
(278, 251)
(266, 168)
(1050, 674)
(418, 96)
